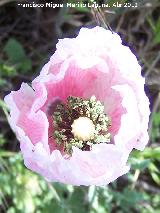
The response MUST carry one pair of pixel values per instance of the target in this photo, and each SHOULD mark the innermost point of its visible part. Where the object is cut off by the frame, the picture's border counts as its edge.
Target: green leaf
(140, 164)
(17, 58)
(6, 70)
(24, 66)
(2, 140)
(14, 51)
(128, 198)
(149, 152)
(152, 153)
(155, 28)
(156, 177)
(3, 82)
(157, 31)
(152, 168)
(4, 107)
(155, 119)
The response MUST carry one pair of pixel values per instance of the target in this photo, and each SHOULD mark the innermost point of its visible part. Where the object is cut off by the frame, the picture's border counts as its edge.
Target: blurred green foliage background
(27, 39)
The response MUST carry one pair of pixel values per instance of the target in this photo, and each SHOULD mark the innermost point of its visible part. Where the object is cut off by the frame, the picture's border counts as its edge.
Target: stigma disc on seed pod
(83, 128)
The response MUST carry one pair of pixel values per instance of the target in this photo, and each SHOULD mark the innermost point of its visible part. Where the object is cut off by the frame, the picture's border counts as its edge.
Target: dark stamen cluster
(64, 116)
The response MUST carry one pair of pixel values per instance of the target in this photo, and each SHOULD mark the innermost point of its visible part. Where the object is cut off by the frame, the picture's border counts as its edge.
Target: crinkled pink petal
(56, 168)
(93, 63)
(34, 124)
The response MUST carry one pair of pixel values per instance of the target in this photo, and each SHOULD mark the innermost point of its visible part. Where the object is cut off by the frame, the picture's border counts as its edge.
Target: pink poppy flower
(84, 113)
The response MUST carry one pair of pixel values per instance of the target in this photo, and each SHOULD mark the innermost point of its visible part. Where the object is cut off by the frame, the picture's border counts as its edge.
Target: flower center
(83, 129)
(80, 123)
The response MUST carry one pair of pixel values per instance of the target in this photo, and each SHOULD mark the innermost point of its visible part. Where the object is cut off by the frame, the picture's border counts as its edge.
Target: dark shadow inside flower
(51, 107)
